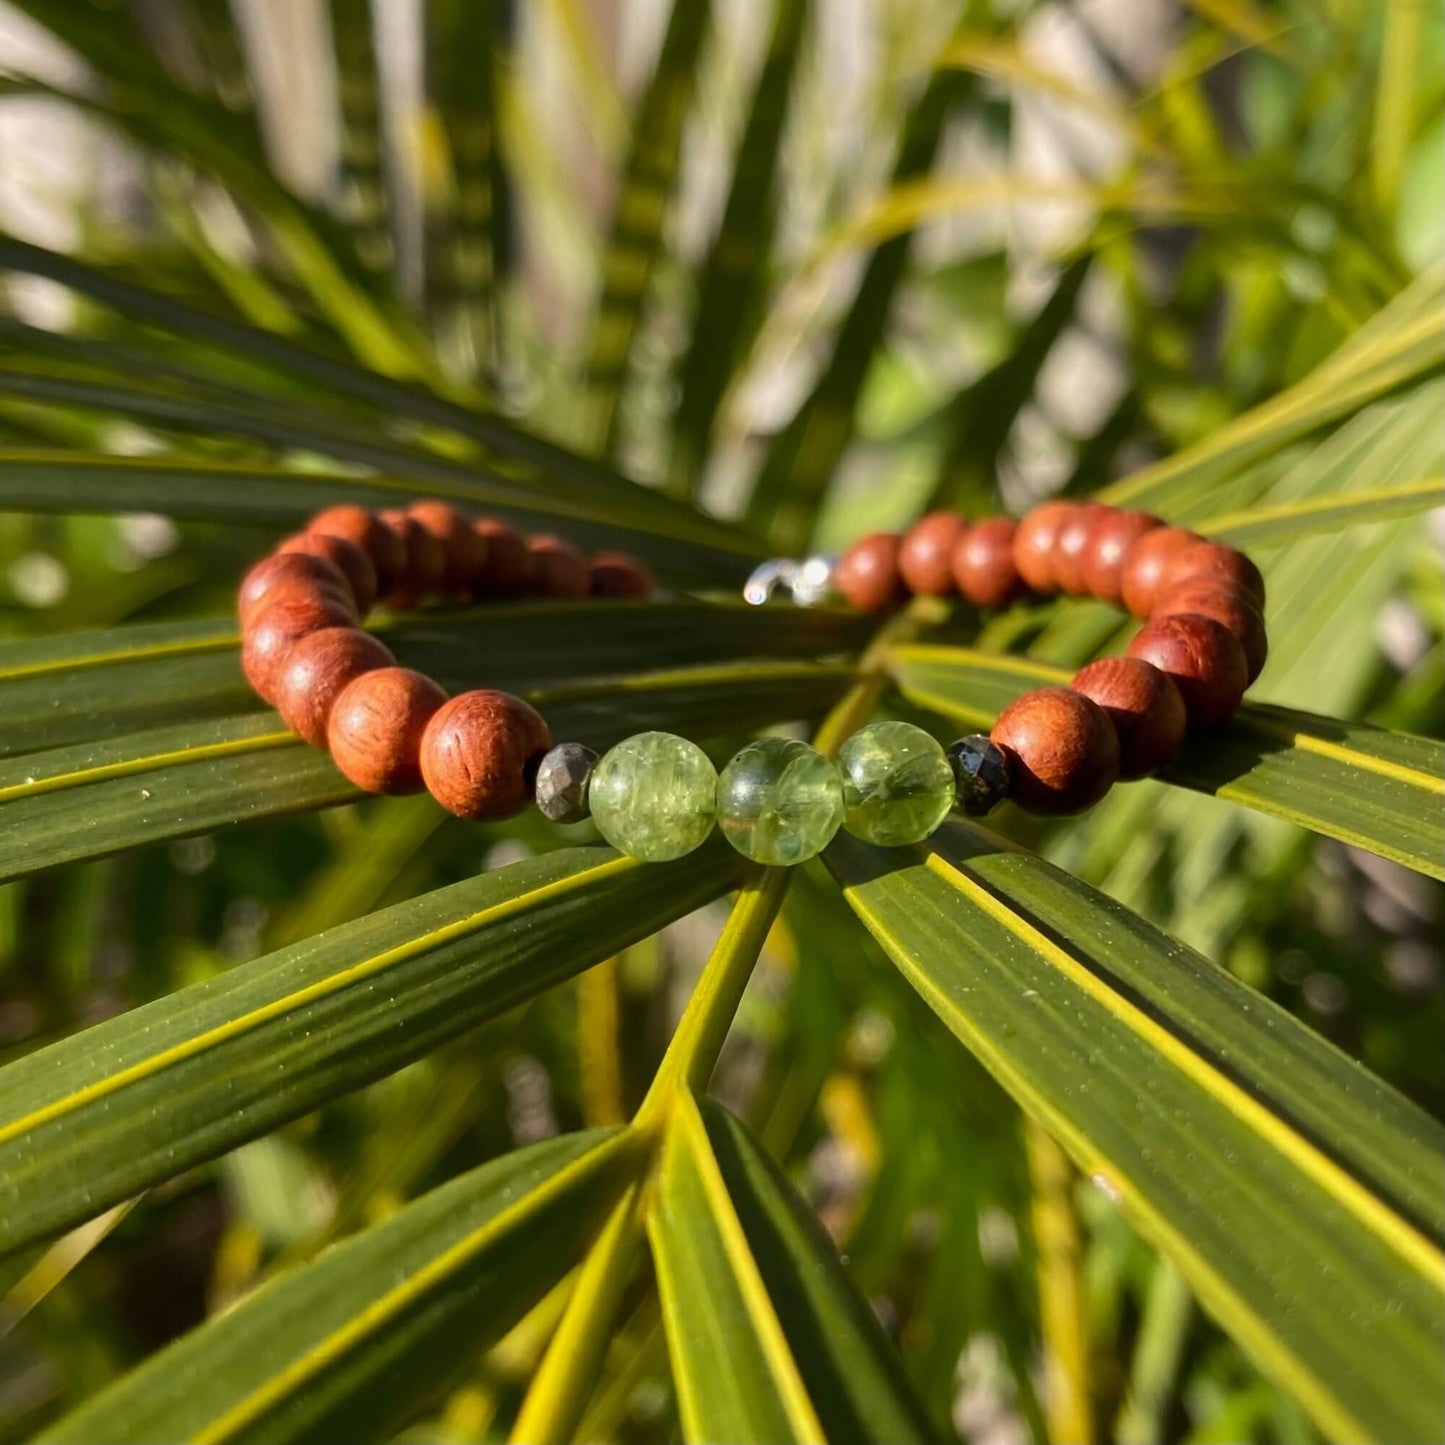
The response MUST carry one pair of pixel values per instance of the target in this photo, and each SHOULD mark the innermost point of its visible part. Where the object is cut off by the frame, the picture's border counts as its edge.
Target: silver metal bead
(767, 577)
(814, 582)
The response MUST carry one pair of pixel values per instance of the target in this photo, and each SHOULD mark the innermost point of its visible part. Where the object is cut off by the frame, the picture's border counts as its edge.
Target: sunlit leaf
(1294, 1191)
(89, 1121)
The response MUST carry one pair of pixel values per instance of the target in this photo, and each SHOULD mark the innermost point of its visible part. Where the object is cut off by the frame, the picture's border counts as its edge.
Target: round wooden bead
(867, 573)
(463, 547)
(371, 534)
(983, 563)
(288, 612)
(1074, 546)
(1214, 562)
(1145, 707)
(425, 567)
(1144, 573)
(1109, 544)
(1203, 657)
(479, 751)
(354, 564)
(274, 574)
(1035, 543)
(376, 726)
(925, 556)
(316, 669)
(615, 574)
(562, 571)
(511, 570)
(1063, 748)
(1229, 607)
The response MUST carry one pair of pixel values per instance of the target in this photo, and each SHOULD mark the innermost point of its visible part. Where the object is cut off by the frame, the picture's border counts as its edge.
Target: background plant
(334, 1119)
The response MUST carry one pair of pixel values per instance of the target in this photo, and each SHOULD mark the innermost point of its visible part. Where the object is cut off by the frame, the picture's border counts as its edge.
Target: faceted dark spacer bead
(981, 774)
(563, 777)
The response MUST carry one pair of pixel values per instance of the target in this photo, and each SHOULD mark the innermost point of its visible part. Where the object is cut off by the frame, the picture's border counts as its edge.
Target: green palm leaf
(746, 1275)
(1295, 1196)
(95, 1118)
(356, 1340)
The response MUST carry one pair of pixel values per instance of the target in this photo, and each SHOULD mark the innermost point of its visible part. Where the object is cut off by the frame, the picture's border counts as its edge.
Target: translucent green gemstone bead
(779, 801)
(897, 784)
(654, 796)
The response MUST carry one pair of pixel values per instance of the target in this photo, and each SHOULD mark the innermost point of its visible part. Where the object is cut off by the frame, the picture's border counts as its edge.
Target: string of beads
(484, 754)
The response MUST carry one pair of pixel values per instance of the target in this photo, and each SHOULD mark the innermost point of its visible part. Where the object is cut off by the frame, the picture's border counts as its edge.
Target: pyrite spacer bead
(564, 779)
(982, 774)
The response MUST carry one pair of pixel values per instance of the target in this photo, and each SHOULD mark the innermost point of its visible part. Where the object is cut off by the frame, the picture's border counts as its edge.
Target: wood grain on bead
(316, 670)
(1108, 546)
(984, 570)
(1034, 543)
(288, 612)
(1063, 748)
(511, 570)
(1204, 658)
(867, 573)
(479, 751)
(1074, 546)
(925, 556)
(1228, 606)
(354, 564)
(616, 574)
(426, 560)
(562, 571)
(463, 547)
(371, 534)
(274, 574)
(376, 726)
(1143, 575)
(1214, 562)
(1145, 707)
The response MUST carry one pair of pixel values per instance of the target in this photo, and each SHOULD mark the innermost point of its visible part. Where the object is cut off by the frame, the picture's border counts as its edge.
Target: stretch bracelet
(486, 754)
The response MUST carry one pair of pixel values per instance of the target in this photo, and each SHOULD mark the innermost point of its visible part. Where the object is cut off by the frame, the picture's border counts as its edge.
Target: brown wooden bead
(983, 563)
(355, 565)
(426, 560)
(1203, 657)
(1036, 542)
(1063, 748)
(1075, 545)
(478, 753)
(280, 571)
(867, 573)
(288, 611)
(376, 726)
(1145, 707)
(511, 570)
(1228, 606)
(562, 571)
(1214, 562)
(1109, 544)
(616, 574)
(465, 548)
(371, 534)
(1144, 573)
(316, 669)
(925, 556)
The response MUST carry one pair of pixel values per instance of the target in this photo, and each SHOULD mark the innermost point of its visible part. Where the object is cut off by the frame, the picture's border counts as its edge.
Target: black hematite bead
(562, 779)
(981, 774)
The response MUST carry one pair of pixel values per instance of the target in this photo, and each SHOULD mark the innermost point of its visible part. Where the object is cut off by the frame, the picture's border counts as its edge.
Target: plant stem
(562, 1385)
(1168, 1313)
(1061, 1297)
(597, 1044)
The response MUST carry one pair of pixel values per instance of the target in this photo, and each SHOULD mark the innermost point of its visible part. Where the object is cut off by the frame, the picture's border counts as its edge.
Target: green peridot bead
(779, 801)
(654, 796)
(897, 784)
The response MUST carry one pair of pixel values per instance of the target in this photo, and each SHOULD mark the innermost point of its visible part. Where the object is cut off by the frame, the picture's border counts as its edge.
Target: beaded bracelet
(484, 754)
